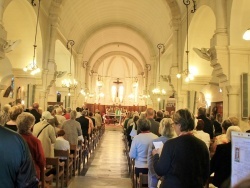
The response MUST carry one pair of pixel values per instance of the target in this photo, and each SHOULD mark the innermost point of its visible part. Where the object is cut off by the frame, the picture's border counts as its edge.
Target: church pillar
(49, 66)
(233, 108)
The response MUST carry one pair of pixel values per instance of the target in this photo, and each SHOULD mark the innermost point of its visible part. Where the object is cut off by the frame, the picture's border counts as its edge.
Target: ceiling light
(246, 35)
(32, 67)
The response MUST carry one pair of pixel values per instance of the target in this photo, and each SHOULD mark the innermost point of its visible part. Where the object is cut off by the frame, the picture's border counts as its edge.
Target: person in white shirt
(61, 143)
(199, 133)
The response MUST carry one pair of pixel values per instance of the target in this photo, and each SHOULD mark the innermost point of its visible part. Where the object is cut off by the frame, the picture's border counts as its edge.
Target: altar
(115, 117)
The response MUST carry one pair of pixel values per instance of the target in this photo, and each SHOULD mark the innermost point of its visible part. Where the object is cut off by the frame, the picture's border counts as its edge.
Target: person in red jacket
(25, 121)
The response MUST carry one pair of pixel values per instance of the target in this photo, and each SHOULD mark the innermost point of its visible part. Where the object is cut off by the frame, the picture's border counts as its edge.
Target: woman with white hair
(4, 114)
(45, 132)
(24, 122)
(167, 132)
(13, 113)
(72, 129)
(220, 163)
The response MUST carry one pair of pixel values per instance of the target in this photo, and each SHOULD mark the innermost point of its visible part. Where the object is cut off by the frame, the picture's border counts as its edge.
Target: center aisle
(109, 167)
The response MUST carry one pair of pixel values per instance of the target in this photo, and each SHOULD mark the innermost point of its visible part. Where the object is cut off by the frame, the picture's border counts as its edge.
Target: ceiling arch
(239, 26)
(118, 53)
(19, 20)
(120, 46)
(200, 34)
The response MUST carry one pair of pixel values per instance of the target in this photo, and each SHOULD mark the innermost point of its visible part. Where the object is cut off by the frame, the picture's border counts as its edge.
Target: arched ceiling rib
(117, 53)
(119, 46)
(150, 19)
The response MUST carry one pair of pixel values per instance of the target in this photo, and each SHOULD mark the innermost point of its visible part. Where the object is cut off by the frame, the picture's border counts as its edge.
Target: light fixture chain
(37, 20)
(70, 45)
(187, 40)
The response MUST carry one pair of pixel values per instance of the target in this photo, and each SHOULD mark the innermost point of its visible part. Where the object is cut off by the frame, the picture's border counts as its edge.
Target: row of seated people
(42, 138)
(178, 158)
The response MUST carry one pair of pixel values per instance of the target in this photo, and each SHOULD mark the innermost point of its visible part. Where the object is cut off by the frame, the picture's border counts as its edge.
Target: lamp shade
(246, 35)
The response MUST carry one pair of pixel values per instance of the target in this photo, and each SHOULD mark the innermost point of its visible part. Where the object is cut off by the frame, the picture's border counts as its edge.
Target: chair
(75, 151)
(68, 163)
(142, 181)
(59, 169)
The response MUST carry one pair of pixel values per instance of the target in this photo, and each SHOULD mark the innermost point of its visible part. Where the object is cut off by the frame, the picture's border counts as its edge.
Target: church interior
(164, 54)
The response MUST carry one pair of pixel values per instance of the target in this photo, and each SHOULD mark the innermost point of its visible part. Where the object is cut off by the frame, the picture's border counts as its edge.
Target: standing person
(221, 139)
(184, 161)
(45, 132)
(150, 113)
(208, 126)
(35, 112)
(92, 118)
(67, 113)
(217, 125)
(159, 116)
(59, 116)
(13, 113)
(16, 165)
(132, 130)
(72, 129)
(54, 122)
(139, 147)
(199, 133)
(166, 130)
(4, 114)
(98, 118)
(221, 160)
(25, 121)
(84, 122)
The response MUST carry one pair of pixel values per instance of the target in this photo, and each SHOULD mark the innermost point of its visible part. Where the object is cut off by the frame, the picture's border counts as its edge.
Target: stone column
(233, 92)
(49, 67)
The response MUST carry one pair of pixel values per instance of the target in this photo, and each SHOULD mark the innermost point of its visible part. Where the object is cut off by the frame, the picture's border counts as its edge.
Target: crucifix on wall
(117, 91)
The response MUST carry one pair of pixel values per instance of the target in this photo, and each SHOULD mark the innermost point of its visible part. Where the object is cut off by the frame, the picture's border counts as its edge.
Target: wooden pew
(142, 181)
(75, 151)
(68, 159)
(59, 169)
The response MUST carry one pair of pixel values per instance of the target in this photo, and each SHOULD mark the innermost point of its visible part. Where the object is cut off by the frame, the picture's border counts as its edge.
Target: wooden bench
(68, 168)
(58, 167)
(142, 181)
(75, 151)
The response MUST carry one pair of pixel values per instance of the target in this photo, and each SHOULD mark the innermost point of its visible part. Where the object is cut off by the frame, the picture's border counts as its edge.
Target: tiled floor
(108, 167)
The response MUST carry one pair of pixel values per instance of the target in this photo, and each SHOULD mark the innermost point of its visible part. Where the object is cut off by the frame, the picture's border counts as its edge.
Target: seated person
(139, 146)
(61, 143)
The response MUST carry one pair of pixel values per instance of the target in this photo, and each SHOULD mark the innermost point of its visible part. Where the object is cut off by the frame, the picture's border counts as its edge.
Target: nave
(108, 167)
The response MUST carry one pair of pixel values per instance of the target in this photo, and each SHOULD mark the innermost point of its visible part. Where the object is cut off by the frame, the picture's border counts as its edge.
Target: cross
(117, 82)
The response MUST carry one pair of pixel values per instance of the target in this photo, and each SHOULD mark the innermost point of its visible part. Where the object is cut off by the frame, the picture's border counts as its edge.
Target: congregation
(59, 141)
(173, 149)
(193, 151)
